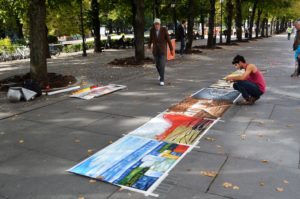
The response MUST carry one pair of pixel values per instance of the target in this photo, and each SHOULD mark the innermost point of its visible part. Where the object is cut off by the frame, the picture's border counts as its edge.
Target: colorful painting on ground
(96, 91)
(203, 108)
(132, 161)
(174, 128)
(217, 94)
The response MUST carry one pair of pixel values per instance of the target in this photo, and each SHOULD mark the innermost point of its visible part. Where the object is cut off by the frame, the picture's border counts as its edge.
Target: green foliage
(6, 45)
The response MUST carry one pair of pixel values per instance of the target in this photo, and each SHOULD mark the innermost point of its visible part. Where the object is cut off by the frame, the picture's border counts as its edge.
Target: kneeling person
(251, 84)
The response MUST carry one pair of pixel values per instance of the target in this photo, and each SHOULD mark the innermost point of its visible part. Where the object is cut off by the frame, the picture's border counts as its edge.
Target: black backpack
(33, 85)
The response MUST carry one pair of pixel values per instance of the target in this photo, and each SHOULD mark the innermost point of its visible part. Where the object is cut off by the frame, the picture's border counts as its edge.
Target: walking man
(181, 35)
(251, 84)
(159, 37)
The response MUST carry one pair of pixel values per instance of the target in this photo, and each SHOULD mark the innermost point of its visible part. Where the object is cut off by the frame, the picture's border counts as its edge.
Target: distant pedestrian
(296, 48)
(181, 35)
(289, 31)
(251, 84)
(159, 37)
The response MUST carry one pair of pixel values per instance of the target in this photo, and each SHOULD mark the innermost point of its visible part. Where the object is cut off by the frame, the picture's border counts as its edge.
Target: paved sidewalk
(255, 148)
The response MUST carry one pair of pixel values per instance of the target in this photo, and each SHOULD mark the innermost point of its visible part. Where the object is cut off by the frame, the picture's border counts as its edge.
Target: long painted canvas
(174, 128)
(96, 91)
(236, 73)
(222, 84)
(217, 94)
(203, 108)
(132, 161)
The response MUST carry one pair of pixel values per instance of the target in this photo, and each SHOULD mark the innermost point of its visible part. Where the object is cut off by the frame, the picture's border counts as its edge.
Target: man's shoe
(249, 101)
(162, 83)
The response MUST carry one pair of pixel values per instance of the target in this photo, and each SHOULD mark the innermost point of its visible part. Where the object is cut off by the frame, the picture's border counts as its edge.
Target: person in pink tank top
(251, 84)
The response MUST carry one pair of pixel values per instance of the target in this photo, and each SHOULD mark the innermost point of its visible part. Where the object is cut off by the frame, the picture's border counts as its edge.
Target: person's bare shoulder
(252, 67)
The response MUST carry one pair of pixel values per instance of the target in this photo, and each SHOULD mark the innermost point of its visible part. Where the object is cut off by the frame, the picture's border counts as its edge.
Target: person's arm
(168, 40)
(251, 68)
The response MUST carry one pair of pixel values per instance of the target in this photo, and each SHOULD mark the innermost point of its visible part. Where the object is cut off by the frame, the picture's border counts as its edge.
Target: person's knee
(237, 85)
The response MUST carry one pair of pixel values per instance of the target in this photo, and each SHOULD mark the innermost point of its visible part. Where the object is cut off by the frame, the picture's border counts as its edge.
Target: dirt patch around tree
(205, 47)
(130, 61)
(55, 81)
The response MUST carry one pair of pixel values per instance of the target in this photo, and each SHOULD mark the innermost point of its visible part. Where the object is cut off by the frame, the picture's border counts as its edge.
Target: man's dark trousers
(182, 45)
(247, 89)
(160, 61)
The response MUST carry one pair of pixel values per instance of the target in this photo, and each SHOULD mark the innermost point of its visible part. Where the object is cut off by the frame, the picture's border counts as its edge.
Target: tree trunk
(96, 25)
(277, 26)
(202, 19)
(20, 28)
(258, 22)
(211, 24)
(282, 25)
(175, 20)
(239, 20)
(190, 34)
(229, 8)
(138, 10)
(82, 30)
(272, 26)
(252, 18)
(48, 55)
(262, 32)
(38, 40)
(267, 27)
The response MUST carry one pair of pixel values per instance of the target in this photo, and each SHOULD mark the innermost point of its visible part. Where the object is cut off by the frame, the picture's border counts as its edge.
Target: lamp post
(221, 28)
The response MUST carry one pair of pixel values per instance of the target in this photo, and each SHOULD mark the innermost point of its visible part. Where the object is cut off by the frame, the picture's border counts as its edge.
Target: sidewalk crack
(214, 179)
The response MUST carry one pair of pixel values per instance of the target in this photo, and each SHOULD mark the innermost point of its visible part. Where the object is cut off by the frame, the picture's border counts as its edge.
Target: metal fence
(20, 52)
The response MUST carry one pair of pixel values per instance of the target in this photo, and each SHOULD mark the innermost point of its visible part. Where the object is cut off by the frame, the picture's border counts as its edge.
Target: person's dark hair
(183, 21)
(237, 59)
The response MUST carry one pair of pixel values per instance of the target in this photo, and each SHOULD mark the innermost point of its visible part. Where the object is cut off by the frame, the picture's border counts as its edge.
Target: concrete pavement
(256, 148)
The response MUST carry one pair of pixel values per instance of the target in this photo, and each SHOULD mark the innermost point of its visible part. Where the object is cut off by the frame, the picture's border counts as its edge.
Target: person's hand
(227, 78)
(172, 53)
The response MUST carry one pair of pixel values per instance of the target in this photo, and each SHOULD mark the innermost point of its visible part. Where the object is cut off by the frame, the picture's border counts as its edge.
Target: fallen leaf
(227, 185)
(210, 139)
(286, 182)
(243, 136)
(110, 142)
(92, 181)
(261, 183)
(100, 177)
(81, 197)
(219, 146)
(90, 151)
(208, 173)
(235, 187)
(77, 140)
(279, 189)
(21, 141)
(265, 161)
